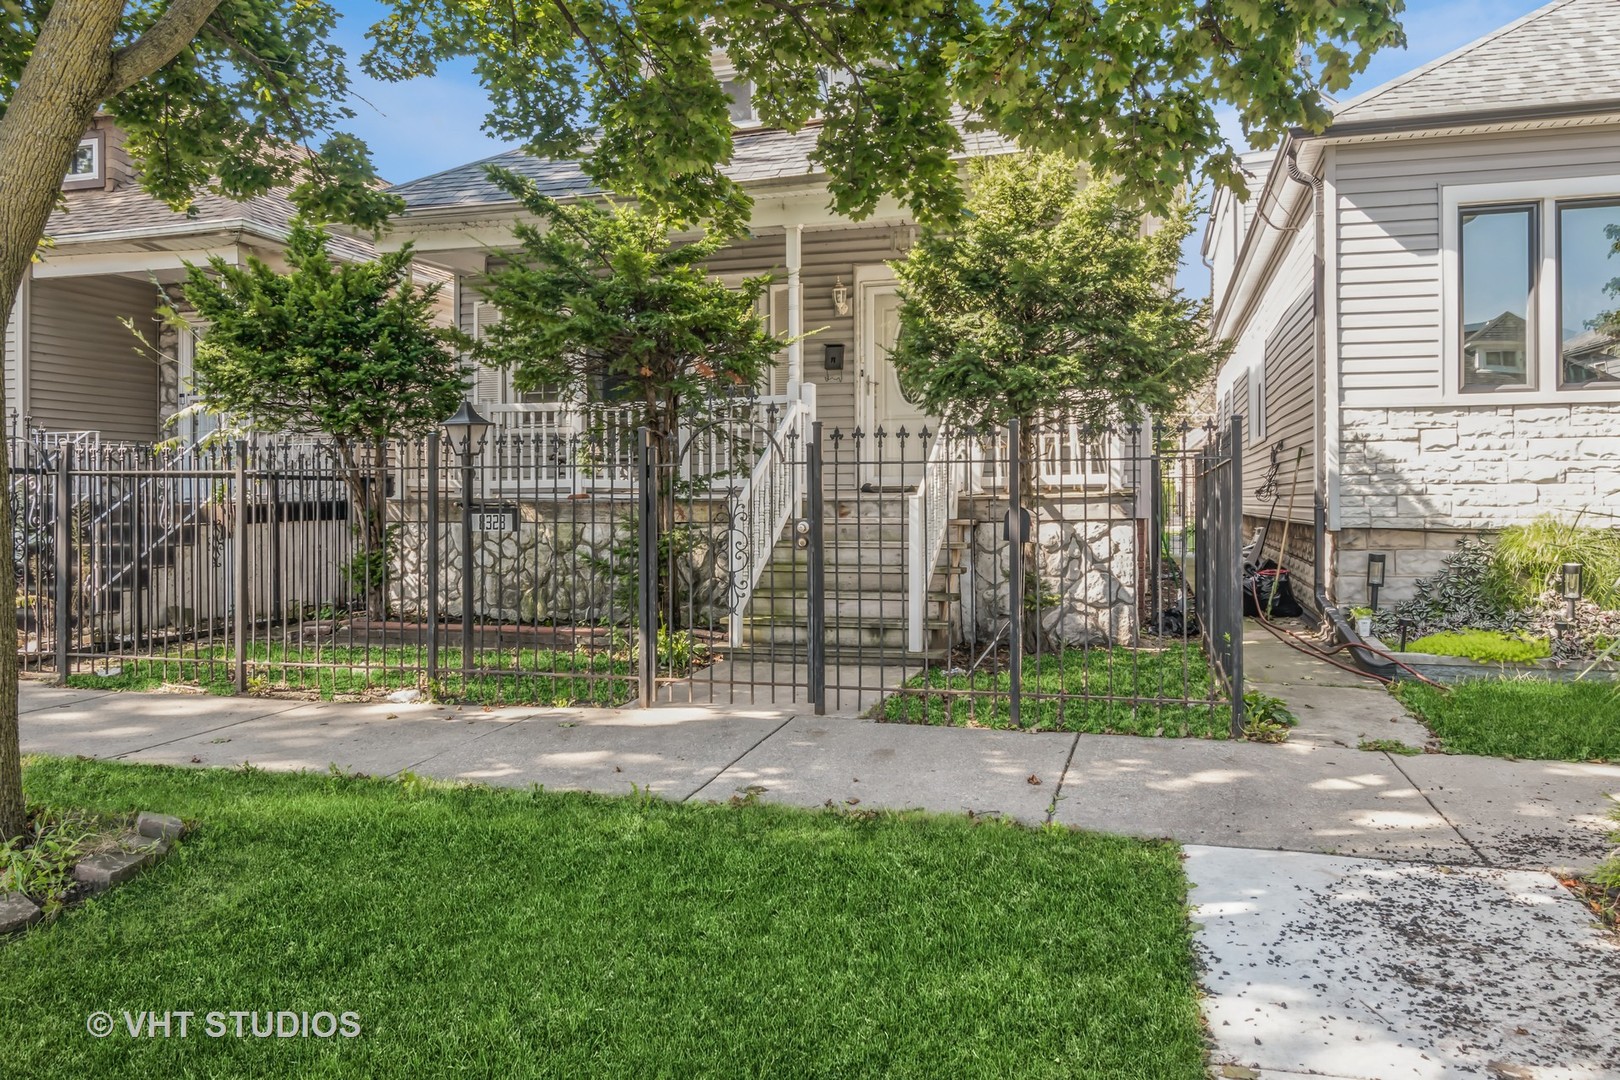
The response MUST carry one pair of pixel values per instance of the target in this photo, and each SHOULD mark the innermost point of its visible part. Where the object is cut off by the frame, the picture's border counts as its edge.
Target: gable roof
(759, 155)
(1563, 54)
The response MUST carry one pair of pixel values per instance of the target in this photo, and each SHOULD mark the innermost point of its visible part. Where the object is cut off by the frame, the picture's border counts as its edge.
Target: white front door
(899, 461)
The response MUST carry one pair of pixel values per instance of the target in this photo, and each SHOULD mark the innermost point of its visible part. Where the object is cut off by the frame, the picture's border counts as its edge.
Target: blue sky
(424, 126)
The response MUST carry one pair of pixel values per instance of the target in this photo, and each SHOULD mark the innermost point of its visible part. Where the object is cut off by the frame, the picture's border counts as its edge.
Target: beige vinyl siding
(1388, 204)
(1290, 373)
(13, 361)
(825, 256)
(85, 371)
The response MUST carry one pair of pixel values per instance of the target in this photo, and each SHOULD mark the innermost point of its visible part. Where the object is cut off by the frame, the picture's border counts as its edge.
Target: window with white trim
(1257, 402)
(1589, 293)
(1497, 253)
(1533, 287)
(740, 93)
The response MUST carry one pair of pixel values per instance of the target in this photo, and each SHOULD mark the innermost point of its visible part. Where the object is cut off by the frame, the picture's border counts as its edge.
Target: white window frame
(1544, 348)
(1257, 400)
(729, 74)
(97, 141)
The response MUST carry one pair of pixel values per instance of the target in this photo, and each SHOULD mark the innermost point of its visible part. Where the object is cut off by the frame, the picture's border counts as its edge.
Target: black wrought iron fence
(1060, 577)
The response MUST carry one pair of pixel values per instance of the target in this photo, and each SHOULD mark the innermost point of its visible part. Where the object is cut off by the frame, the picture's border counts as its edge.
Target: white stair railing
(930, 510)
(760, 509)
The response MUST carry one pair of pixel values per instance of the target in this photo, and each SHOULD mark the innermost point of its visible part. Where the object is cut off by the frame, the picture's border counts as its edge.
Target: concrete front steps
(867, 580)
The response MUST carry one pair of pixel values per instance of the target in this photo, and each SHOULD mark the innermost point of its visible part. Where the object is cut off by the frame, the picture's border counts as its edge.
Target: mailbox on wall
(833, 357)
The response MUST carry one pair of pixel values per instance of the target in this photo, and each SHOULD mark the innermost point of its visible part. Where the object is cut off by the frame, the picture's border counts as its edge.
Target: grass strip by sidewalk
(1521, 718)
(1074, 690)
(523, 933)
(545, 677)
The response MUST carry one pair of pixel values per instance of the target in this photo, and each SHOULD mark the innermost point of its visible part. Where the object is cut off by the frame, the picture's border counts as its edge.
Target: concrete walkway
(1360, 914)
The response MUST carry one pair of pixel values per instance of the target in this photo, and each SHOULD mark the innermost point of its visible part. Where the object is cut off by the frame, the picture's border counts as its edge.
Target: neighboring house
(1416, 300)
(72, 364)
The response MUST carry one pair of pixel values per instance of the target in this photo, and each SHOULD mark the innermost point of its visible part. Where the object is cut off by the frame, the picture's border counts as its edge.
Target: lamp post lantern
(465, 432)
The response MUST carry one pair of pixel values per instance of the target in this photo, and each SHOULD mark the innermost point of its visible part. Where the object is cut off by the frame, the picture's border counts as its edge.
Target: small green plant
(1485, 646)
(1266, 718)
(1389, 746)
(1361, 612)
(1526, 560)
(1462, 595)
(39, 863)
(679, 652)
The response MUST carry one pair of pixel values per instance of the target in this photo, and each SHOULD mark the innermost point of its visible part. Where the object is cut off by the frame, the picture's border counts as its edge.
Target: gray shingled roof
(129, 212)
(757, 156)
(1565, 53)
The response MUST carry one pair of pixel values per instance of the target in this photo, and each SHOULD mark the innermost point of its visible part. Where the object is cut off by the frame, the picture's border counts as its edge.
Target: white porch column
(795, 328)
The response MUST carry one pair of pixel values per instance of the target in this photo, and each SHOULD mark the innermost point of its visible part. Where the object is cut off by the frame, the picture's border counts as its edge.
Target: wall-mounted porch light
(1571, 574)
(840, 296)
(1375, 577)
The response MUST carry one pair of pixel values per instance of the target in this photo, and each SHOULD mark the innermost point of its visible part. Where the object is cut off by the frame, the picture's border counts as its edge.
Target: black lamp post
(465, 432)
(1572, 586)
(1375, 577)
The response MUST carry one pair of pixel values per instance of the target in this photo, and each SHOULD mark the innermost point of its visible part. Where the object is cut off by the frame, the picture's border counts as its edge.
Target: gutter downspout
(1318, 301)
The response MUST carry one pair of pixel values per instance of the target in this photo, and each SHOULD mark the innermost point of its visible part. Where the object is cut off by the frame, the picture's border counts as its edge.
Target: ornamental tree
(597, 304)
(248, 95)
(348, 350)
(1048, 297)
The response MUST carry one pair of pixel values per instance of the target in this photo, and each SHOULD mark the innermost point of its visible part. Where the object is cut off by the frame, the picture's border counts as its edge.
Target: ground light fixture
(1571, 574)
(1375, 577)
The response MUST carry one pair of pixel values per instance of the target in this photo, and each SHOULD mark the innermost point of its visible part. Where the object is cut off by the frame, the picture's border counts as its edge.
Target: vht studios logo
(224, 1024)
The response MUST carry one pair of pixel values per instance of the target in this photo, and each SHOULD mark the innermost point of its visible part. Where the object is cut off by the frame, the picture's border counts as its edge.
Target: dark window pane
(1496, 283)
(1588, 275)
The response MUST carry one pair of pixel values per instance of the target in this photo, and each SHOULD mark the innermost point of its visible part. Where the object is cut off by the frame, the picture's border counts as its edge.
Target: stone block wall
(1477, 467)
(566, 562)
(1410, 555)
(1085, 557)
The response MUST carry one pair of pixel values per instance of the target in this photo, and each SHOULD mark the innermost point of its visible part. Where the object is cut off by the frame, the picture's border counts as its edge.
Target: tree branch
(162, 42)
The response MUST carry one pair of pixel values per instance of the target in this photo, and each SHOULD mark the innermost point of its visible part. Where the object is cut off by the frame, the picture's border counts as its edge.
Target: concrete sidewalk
(1440, 951)
(1316, 793)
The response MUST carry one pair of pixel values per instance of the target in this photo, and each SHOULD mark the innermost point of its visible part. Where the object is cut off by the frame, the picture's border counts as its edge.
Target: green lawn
(1078, 690)
(511, 676)
(503, 933)
(1523, 718)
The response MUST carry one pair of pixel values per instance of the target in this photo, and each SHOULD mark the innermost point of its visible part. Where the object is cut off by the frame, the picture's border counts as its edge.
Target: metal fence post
(239, 569)
(816, 576)
(1015, 574)
(1234, 537)
(647, 568)
(433, 583)
(64, 559)
(468, 482)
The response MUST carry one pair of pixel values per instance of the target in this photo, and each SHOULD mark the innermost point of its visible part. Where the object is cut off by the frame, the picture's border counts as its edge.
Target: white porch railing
(929, 511)
(761, 507)
(1066, 456)
(560, 447)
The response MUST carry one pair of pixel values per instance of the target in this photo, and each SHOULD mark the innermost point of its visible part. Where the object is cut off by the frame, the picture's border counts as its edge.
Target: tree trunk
(54, 104)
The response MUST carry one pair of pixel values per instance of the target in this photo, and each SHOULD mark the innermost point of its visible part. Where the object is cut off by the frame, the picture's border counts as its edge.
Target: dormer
(740, 91)
(99, 162)
(87, 170)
